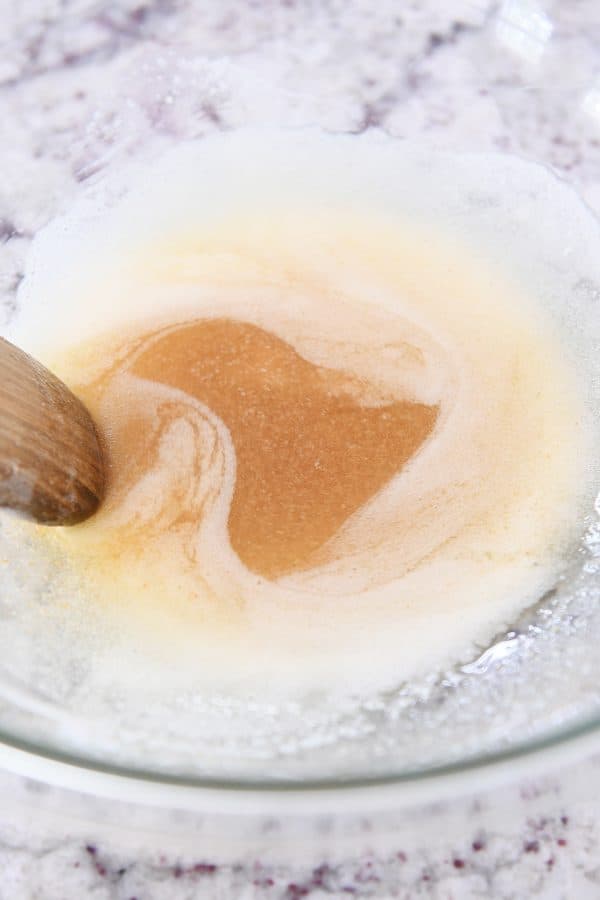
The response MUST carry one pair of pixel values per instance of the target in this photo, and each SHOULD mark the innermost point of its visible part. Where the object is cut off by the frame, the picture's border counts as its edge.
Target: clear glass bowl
(520, 78)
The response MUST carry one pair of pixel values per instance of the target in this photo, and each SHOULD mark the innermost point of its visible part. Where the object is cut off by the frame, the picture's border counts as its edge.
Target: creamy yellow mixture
(342, 449)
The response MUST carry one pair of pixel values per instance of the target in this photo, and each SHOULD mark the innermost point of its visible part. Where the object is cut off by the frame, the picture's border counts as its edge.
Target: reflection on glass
(524, 29)
(590, 103)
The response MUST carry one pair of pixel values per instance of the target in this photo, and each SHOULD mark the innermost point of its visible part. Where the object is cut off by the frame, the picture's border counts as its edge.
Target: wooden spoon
(51, 467)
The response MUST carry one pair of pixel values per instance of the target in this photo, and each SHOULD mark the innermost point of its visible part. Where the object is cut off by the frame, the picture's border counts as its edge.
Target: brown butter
(311, 449)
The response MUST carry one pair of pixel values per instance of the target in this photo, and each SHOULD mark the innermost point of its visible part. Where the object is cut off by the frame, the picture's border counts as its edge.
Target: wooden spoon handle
(51, 467)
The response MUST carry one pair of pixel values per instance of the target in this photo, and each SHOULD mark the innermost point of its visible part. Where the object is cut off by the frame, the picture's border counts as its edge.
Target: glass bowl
(517, 78)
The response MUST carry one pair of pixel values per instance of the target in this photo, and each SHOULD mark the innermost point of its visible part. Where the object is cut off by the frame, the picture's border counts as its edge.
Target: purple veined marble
(84, 88)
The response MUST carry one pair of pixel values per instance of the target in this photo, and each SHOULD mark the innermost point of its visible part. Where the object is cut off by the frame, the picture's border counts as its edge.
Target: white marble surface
(82, 85)
(534, 835)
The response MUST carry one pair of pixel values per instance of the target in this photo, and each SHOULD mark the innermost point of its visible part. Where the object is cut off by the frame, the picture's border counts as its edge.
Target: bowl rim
(69, 770)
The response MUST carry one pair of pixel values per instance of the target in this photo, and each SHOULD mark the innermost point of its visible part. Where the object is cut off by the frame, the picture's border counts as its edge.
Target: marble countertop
(84, 84)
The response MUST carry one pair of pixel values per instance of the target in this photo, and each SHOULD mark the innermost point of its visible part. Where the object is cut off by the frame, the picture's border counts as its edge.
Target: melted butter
(405, 549)
(311, 447)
